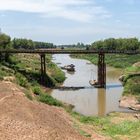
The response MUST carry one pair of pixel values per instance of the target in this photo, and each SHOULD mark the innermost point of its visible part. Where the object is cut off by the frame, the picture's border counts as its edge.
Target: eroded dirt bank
(22, 119)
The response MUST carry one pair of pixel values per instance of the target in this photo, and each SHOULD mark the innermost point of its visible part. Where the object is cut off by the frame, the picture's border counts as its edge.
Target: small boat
(94, 83)
(70, 68)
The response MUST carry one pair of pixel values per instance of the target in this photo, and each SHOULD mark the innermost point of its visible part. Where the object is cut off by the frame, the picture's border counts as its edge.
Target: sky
(70, 21)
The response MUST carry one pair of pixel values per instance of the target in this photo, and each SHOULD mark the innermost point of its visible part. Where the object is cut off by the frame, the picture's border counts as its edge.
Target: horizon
(70, 22)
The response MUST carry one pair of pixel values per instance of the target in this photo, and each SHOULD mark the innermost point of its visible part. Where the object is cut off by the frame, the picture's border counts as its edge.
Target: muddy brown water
(89, 101)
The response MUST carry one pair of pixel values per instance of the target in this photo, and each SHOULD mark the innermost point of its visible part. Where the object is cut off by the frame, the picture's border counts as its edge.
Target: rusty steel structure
(43, 68)
(101, 70)
(101, 60)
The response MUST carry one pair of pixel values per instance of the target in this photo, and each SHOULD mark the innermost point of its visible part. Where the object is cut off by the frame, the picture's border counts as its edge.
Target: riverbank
(55, 122)
(21, 118)
(26, 69)
(117, 61)
(91, 127)
(17, 113)
(130, 70)
(131, 82)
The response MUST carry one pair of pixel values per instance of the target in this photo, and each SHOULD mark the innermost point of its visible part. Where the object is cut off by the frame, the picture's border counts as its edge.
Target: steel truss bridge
(101, 59)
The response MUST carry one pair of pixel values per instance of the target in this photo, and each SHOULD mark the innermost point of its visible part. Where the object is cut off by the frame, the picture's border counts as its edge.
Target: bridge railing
(59, 51)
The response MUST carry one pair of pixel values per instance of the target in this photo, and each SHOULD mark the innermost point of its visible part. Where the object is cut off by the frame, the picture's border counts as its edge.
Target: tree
(5, 43)
(23, 44)
(123, 44)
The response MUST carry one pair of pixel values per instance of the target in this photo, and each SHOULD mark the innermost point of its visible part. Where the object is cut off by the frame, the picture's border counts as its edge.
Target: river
(89, 101)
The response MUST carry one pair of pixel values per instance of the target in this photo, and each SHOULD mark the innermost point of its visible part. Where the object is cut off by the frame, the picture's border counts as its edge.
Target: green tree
(5, 43)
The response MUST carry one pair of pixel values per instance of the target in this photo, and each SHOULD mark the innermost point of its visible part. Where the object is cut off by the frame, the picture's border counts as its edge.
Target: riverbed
(89, 101)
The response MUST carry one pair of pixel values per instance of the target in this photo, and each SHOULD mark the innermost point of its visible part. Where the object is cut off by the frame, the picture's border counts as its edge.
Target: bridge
(101, 59)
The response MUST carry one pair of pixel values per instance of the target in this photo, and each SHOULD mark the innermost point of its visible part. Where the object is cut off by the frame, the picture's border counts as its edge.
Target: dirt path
(22, 119)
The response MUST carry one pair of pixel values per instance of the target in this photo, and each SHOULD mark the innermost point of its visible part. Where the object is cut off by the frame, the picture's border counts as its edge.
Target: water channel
(89, 101)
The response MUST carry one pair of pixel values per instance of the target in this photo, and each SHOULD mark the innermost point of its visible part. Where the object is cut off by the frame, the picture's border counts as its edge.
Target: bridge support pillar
(101, 70)
(43, 68)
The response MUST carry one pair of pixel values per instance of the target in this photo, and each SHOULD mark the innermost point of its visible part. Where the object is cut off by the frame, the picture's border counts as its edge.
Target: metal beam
(43, 68)
(59, 51)
(101, 70)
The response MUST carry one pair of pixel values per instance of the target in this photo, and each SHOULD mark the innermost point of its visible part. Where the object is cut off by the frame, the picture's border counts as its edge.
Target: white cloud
(79, 10)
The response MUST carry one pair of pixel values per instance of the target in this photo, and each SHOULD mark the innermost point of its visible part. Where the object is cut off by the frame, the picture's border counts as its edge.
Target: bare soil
(22, 119)
(130, 102)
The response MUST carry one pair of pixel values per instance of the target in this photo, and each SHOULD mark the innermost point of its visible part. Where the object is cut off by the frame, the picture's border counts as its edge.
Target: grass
(132, 86)
(5, 71)
(124, 128)
(28, 95)
(44, 97)
(26, 69)
(22, 80)
(105, 126)
(132, 81)
(117, 61)
(83, 133)
(55, 72)
(28, 65)
(47, 99)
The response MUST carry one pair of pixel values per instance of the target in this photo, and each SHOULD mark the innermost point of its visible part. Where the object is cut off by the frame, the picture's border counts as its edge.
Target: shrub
(37, 90)
(21, 80)
(28, 95)
(45, 98)
(59, 76)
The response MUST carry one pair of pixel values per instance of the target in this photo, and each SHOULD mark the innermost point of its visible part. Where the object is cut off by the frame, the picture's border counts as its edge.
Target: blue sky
(70, 21)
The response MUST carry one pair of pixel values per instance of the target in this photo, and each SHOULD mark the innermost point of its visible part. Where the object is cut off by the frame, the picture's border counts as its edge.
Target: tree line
(107, 44)
(123, 44)
(78, 45)
(19, 43)
(22, 43)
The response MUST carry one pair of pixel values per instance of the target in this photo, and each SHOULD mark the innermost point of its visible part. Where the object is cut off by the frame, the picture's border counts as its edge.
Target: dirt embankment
(22, 119)
(130, 102)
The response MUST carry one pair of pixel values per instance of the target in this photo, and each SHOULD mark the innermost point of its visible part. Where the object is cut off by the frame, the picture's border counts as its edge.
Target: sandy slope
(22, 119)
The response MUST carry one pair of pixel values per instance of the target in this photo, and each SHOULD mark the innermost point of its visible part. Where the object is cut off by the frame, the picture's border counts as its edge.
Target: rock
(9, 78)
(136, 64)
(135, 107)
(137, 116)
(121, 78)
(130, 102)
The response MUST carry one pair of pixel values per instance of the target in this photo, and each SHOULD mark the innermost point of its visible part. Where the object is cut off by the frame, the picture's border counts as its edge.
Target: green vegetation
(74, 46)
(76, 126)
(106, 126)
(44, 97)
(5, 43)
(55, 72)
(48, 99)
(28, 95)
(37, 90)
(20, 43)
(26, 68)
(22, 80)
(117, 61)
(29, 67)
(132, 81)
(123, 44)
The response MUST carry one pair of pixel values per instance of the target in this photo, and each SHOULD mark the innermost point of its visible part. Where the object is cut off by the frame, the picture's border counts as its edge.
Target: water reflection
(101, 102)
(89, 101)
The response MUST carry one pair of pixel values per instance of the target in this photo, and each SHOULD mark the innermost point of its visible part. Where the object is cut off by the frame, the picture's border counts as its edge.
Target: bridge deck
(58, 51)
